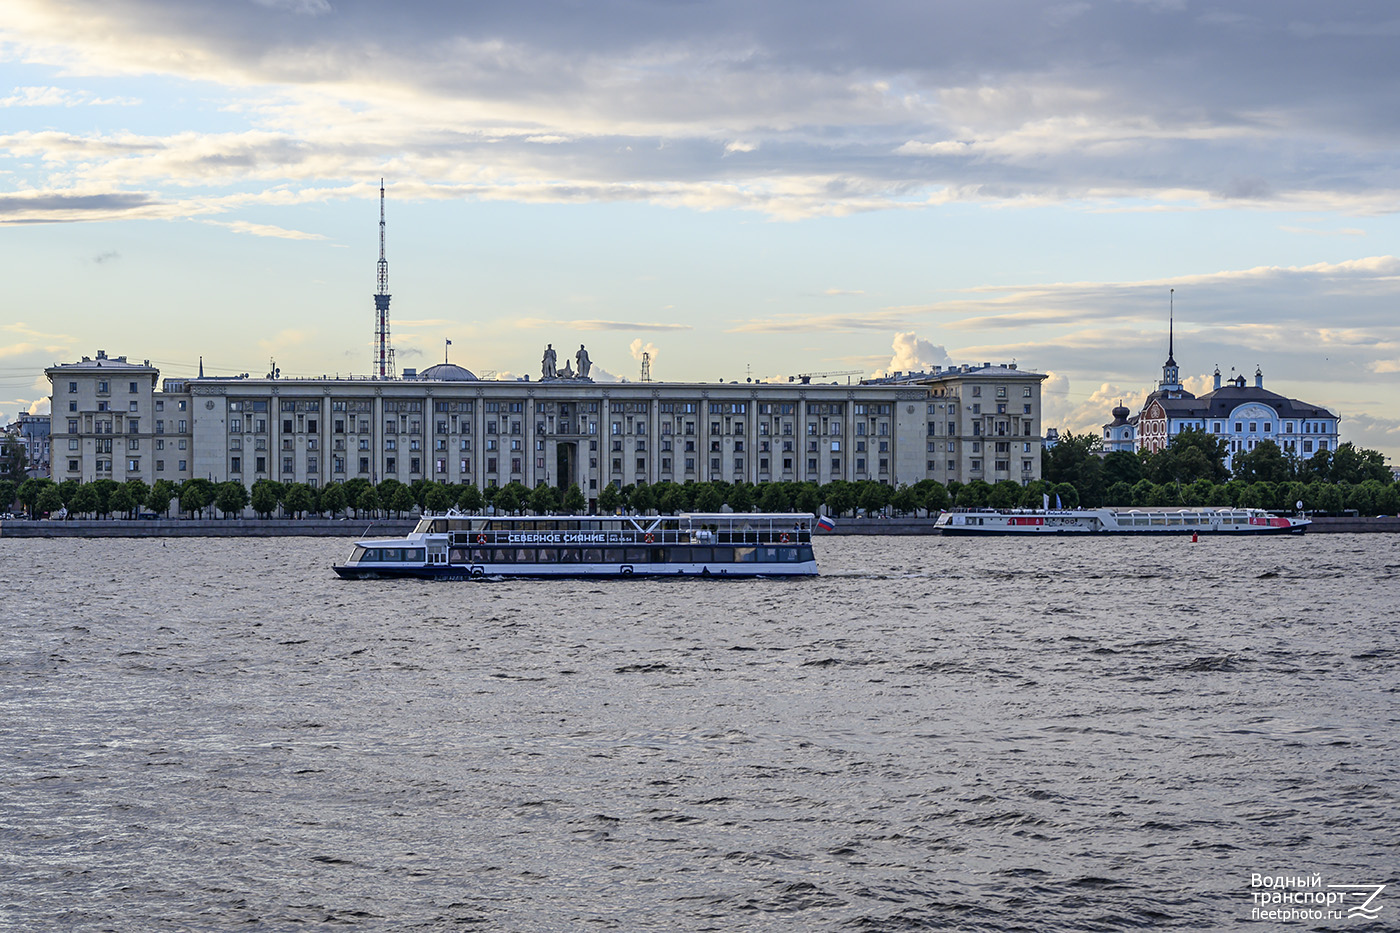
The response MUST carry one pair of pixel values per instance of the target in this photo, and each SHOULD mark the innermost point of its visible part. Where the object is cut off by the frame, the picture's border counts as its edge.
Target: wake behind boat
(459, 547)
(1118, 521)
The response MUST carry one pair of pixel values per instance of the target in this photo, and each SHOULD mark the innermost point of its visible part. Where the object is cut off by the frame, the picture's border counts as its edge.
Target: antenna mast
(383, 365)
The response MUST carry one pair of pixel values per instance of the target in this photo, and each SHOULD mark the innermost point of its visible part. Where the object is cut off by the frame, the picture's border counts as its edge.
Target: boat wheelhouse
(722, 544)
(1118, 521)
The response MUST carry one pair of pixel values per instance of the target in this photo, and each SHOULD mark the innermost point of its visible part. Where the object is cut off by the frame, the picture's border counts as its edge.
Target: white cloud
(243, 226)
(912, 354)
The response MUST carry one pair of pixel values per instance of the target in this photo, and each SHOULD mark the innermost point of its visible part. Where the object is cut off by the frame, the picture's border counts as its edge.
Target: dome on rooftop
(447, 372)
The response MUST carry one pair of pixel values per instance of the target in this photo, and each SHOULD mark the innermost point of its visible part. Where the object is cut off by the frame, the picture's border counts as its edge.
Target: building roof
(447, 372)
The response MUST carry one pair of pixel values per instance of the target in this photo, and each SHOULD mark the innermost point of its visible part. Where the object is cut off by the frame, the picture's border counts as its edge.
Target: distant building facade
(962, 423)
(1241, 415)
(32, 433)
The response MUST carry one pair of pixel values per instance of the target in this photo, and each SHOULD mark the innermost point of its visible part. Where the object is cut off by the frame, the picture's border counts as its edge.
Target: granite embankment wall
(354, 528)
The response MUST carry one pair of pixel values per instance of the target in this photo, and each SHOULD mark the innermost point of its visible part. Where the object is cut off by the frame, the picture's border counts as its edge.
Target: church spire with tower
(1171, 373)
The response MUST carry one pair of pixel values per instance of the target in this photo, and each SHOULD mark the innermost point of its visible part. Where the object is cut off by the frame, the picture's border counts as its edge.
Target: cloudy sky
(739, 188)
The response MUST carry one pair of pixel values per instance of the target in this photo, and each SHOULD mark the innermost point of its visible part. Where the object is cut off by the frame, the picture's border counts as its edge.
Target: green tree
(401, 500)
(333, 500)
(438, 498)
(1326, 497)
(1143, 492)
(1121, 466)
(470, 499)
(104, 489)
(86, 501)
(1067, 494)
(122, 500)
(673, 500)
(139, 492)
(1119, 494)
(1198, 493)
(708, 497)
(368, 501)
(839, 496)
(544, 499)
(8, 488)
(1075, 460)
(774, 498)
(574, 502)
(1005, 495)
(936, 498)
(68, 488)
(48, 499)
(1192, 454)
(905, 500)
(1354, 465)
(231, 498)
(642, 499)
(976, 495)
(1265, 463)
(740, 497)
(159, 498)
(298, 500)
(354, 488)
(265, 498)
(808, 498)
(192, 498)
(610, 499)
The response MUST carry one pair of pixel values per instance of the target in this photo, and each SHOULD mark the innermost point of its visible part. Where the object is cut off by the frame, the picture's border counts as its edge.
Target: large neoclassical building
(115, 418)
(1241, 414)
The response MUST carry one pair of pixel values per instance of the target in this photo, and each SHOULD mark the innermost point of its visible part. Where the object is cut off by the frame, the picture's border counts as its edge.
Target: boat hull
(617, 571)
(1141, 532)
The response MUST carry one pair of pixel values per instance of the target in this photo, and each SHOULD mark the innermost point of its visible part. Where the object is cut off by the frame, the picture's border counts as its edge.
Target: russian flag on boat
(825, 523)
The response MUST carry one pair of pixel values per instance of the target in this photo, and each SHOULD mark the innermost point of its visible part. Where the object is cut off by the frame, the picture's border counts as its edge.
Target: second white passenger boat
(1119, 521)
(462, 547)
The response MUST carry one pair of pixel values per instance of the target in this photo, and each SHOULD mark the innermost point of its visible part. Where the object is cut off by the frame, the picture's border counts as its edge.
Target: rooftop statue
(548, 371)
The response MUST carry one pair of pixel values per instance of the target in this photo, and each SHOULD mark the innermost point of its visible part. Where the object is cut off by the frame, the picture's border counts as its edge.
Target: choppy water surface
(943, 733)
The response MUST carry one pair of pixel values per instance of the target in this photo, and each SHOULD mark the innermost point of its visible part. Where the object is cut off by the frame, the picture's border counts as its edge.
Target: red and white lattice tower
(383, 353)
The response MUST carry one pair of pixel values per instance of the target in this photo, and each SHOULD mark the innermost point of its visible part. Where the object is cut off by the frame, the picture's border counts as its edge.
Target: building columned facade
(1240, 414)
(110, 420)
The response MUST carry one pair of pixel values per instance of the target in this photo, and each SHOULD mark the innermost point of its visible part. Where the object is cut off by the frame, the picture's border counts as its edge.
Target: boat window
(502, 555)
(659, 555)
(767, 555)
(568, 555)
(389, 553)
(414, 555)
(439, 526)
(480, 555)
(358, 554)
(723, 555)
(616, 555)
(548, 555)
(744, 554)
(524, 555)
(701, 555)
(457, 555)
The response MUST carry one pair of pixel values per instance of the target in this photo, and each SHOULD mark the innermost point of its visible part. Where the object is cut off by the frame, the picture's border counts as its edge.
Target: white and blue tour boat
(455, 546)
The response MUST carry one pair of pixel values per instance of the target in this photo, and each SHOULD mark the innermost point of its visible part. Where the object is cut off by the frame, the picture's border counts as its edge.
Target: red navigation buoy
(1193, 537)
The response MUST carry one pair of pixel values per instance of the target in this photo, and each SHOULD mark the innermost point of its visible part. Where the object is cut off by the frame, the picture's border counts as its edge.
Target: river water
(209, 734)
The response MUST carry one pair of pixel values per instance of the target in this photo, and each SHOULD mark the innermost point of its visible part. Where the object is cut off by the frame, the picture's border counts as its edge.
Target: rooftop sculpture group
(550, 370)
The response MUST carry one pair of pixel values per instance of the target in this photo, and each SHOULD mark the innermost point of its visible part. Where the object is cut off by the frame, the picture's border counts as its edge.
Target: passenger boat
(1119, 521)
(455, 546)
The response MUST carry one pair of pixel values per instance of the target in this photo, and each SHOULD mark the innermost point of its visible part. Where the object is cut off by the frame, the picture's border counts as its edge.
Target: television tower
(383, 365)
